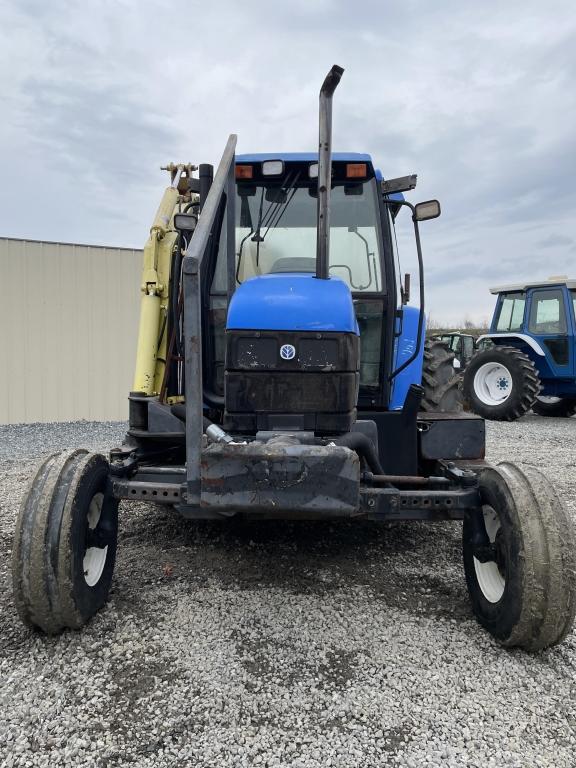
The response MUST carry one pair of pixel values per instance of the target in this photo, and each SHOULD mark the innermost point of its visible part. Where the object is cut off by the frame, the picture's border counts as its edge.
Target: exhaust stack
(325, 171)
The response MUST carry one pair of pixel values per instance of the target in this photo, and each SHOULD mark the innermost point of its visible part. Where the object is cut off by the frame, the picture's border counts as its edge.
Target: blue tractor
(528, 359)
(281, 374)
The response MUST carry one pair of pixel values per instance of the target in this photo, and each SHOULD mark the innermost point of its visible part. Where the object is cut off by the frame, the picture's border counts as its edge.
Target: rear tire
(526, 594)
(65, 542)
(501, 383)
(563, 407)
(440, 381)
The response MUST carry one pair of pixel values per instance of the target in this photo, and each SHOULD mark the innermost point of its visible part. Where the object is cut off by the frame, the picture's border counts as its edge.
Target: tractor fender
(532, 343)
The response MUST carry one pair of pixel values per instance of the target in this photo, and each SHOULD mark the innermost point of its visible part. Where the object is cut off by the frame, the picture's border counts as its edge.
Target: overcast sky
(479, 99)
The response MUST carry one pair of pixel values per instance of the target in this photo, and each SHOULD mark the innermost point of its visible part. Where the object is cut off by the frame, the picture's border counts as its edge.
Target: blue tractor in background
(528, 359)
(281, 374)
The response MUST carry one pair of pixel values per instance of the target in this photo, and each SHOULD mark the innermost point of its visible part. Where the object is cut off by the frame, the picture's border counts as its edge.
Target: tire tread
(546, 536)
(42, 556)
(440, 382)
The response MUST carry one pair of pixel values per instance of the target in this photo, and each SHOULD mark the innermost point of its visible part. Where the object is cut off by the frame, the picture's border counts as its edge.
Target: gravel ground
(281, 644)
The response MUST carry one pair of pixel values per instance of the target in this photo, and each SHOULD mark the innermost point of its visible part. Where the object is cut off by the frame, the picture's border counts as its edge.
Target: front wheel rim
(493, 383)
(94, 557)
(490, 575)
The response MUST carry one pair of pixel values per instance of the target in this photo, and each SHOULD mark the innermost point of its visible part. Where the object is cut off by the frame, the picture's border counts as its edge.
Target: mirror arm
(416, 352)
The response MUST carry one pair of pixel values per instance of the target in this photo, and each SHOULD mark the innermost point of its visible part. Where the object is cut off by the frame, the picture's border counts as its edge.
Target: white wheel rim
(488, 575)
(94, 557)
(548, 399)
(493, 383)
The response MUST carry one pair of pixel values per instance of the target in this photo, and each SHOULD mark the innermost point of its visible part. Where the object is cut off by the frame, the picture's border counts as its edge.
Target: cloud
(557, 241)
(477, 99)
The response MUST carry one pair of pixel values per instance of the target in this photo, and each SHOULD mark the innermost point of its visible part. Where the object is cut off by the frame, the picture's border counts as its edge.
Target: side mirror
(430, 209)
(456, 364)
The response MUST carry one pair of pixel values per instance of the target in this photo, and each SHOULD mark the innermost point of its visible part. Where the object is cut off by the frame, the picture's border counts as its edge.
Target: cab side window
(511, 315)
(468, 342)
(547, 312)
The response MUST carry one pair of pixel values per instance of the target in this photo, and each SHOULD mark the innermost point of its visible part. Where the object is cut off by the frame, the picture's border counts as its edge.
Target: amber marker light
(244, 171)
(355, 170)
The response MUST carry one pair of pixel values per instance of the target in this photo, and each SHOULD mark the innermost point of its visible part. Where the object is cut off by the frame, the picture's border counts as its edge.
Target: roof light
(313, 171)
(244, 171)
(355, 170)
(272, 167)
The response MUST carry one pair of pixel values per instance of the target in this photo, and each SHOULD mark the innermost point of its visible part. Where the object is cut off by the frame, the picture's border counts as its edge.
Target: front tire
(65, 542)
(562, 407)
(523, 588)
(501, 383)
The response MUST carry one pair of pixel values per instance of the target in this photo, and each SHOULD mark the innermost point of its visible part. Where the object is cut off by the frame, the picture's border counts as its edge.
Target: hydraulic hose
(364, 447)
(215, 433)
(179, 410)
(356, 441)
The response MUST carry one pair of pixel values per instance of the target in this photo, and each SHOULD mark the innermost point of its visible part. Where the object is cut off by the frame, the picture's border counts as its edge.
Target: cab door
(550, 325)
(572, 320)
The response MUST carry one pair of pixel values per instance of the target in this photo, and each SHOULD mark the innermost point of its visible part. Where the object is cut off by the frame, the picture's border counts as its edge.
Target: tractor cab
(276, 236)
(542, 316)
(277, 214)
(531, 363)
(462, 345)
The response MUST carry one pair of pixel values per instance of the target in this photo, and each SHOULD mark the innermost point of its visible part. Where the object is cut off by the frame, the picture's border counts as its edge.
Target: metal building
(68, 330)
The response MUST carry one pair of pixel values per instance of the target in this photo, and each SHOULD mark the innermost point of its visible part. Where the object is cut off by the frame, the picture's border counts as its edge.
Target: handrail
(223, 184)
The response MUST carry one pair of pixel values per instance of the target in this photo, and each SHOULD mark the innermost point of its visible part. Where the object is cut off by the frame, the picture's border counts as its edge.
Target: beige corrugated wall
(68, 330)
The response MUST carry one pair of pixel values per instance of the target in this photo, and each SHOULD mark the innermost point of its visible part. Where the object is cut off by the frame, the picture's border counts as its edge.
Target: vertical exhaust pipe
(206, 176)
(325, 172)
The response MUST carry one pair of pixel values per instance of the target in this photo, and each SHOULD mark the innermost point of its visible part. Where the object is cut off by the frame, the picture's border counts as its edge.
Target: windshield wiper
(274, 212)
(269, 218)
(291, 192)
(256, 234)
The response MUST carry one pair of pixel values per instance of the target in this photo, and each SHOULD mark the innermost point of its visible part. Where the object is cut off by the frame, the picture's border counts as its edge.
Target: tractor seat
(294, 264)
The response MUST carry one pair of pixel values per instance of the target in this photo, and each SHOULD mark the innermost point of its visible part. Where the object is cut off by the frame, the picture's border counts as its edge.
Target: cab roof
(312, 157)
(304, 157)
(556, 280)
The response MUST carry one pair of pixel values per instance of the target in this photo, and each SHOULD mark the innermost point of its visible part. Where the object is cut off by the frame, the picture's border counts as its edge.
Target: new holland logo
(287, 352)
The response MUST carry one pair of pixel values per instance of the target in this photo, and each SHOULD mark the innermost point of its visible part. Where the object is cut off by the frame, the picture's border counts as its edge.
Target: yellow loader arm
(152, 334)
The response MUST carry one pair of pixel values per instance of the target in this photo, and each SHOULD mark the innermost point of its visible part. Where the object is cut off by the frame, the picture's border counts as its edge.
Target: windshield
(511, 314)
(276, 231)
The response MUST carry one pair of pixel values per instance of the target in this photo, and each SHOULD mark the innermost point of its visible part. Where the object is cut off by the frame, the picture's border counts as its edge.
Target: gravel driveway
(281, 644)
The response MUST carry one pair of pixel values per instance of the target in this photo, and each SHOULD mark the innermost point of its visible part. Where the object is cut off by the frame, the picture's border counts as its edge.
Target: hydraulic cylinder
(147, 343)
